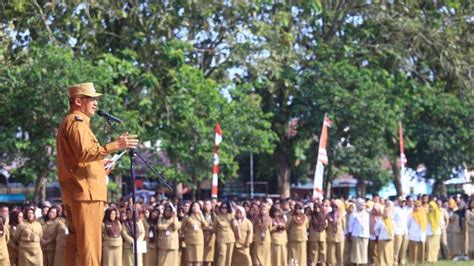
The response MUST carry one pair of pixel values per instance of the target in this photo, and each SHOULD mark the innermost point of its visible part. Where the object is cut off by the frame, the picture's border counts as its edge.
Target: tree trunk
(362, 188)
(328, 188)
(396, 176)
(328, 181)
(40, 188)
(283, 172)
(439, 187)
(179, 190)
(193, 194)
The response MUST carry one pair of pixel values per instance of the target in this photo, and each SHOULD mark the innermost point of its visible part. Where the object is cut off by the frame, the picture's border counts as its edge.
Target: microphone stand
(132, 153)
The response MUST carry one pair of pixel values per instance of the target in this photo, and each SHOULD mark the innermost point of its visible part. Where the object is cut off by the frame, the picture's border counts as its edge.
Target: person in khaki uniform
(385, 234)
(317, 236)
(279, 239)
(261, 248)
(470, 228)
(209, 234)
(168, 238)
(151, 256)
(297, 226)
(48, 242)
(28, 234)
(243, 239)
(16, 218)
(61, 237)
(433, 232)
(82, 175)
(346, 257)
(225, 226)
(4, 238)
(127, 235)
(335, 234)
(112, 242)
(192, 228)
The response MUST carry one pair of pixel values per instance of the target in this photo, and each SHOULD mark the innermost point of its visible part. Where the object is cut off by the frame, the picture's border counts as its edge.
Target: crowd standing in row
(256, 232)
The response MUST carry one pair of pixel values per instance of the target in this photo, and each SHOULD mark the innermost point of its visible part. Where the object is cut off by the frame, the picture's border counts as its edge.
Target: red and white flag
(215, 166)
(403, 158)
(322, 160)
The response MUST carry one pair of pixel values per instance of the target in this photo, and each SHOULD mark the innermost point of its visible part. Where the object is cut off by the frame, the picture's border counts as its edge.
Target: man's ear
(77, 101)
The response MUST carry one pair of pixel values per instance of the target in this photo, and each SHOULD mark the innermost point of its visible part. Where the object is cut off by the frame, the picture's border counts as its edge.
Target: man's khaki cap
(83, 89)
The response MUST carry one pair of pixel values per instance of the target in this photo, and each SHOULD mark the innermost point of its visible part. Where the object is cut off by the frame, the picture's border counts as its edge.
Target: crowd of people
(338, 231)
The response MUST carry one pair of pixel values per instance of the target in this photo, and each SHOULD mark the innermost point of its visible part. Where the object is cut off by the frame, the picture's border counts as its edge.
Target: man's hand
(126, 141)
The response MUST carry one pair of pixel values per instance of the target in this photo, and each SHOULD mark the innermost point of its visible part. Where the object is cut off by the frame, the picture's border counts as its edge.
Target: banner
(322, 160)
(215, 167)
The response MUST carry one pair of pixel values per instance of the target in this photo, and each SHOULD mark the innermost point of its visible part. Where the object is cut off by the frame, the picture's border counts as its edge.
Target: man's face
(409, 203)
(87, 105)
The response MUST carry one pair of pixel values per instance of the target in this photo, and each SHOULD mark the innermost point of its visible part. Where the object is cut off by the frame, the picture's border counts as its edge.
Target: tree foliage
(174, 68)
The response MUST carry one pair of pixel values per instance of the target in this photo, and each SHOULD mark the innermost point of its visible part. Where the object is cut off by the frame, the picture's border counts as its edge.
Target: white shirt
(400, 221)
(429, 228)
(414, 231)
(381, 231)
(359, 224)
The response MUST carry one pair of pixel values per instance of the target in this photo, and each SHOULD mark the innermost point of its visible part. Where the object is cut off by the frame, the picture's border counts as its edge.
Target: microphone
(109, 117)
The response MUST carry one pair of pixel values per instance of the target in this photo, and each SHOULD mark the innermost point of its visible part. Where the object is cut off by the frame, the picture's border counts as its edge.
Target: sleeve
(103, 230)
(163, 225)
(249, 239)
(127, 238)
(7, 234)
(84, 144)
(17, 234)
(351, 224)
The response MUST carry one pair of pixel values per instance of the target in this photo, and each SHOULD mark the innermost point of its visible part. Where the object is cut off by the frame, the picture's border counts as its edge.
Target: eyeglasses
(89, 98)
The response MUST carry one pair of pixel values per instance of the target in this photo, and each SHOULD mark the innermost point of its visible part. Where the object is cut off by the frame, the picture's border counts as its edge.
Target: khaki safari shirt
(80, 169)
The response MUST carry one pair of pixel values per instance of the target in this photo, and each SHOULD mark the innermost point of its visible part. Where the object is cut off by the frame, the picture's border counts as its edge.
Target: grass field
(449, 263)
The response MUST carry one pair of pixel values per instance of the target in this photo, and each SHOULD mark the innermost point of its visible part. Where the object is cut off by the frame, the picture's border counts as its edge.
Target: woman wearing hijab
(417, 224)
(151, 256)
(452, 207)
(243, 239)
(470, 227)
(433, 232)
(384, 232)
(127, 235)
(262, 224)
(335, 234)
(279, 239)
(209, 234)
(15, 218)
(4, 238)
(297, 227)
(29, 234)
(168, 237)
(48, 242)
(112, 243)
(317, 235)
(62, 233)
(225, 226)
(192, 228)
(359, 233)
(375, 215)
(459, 230)
(349, 206)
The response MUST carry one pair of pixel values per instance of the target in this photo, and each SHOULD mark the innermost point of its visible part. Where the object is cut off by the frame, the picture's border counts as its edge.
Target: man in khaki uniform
(82, 175)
